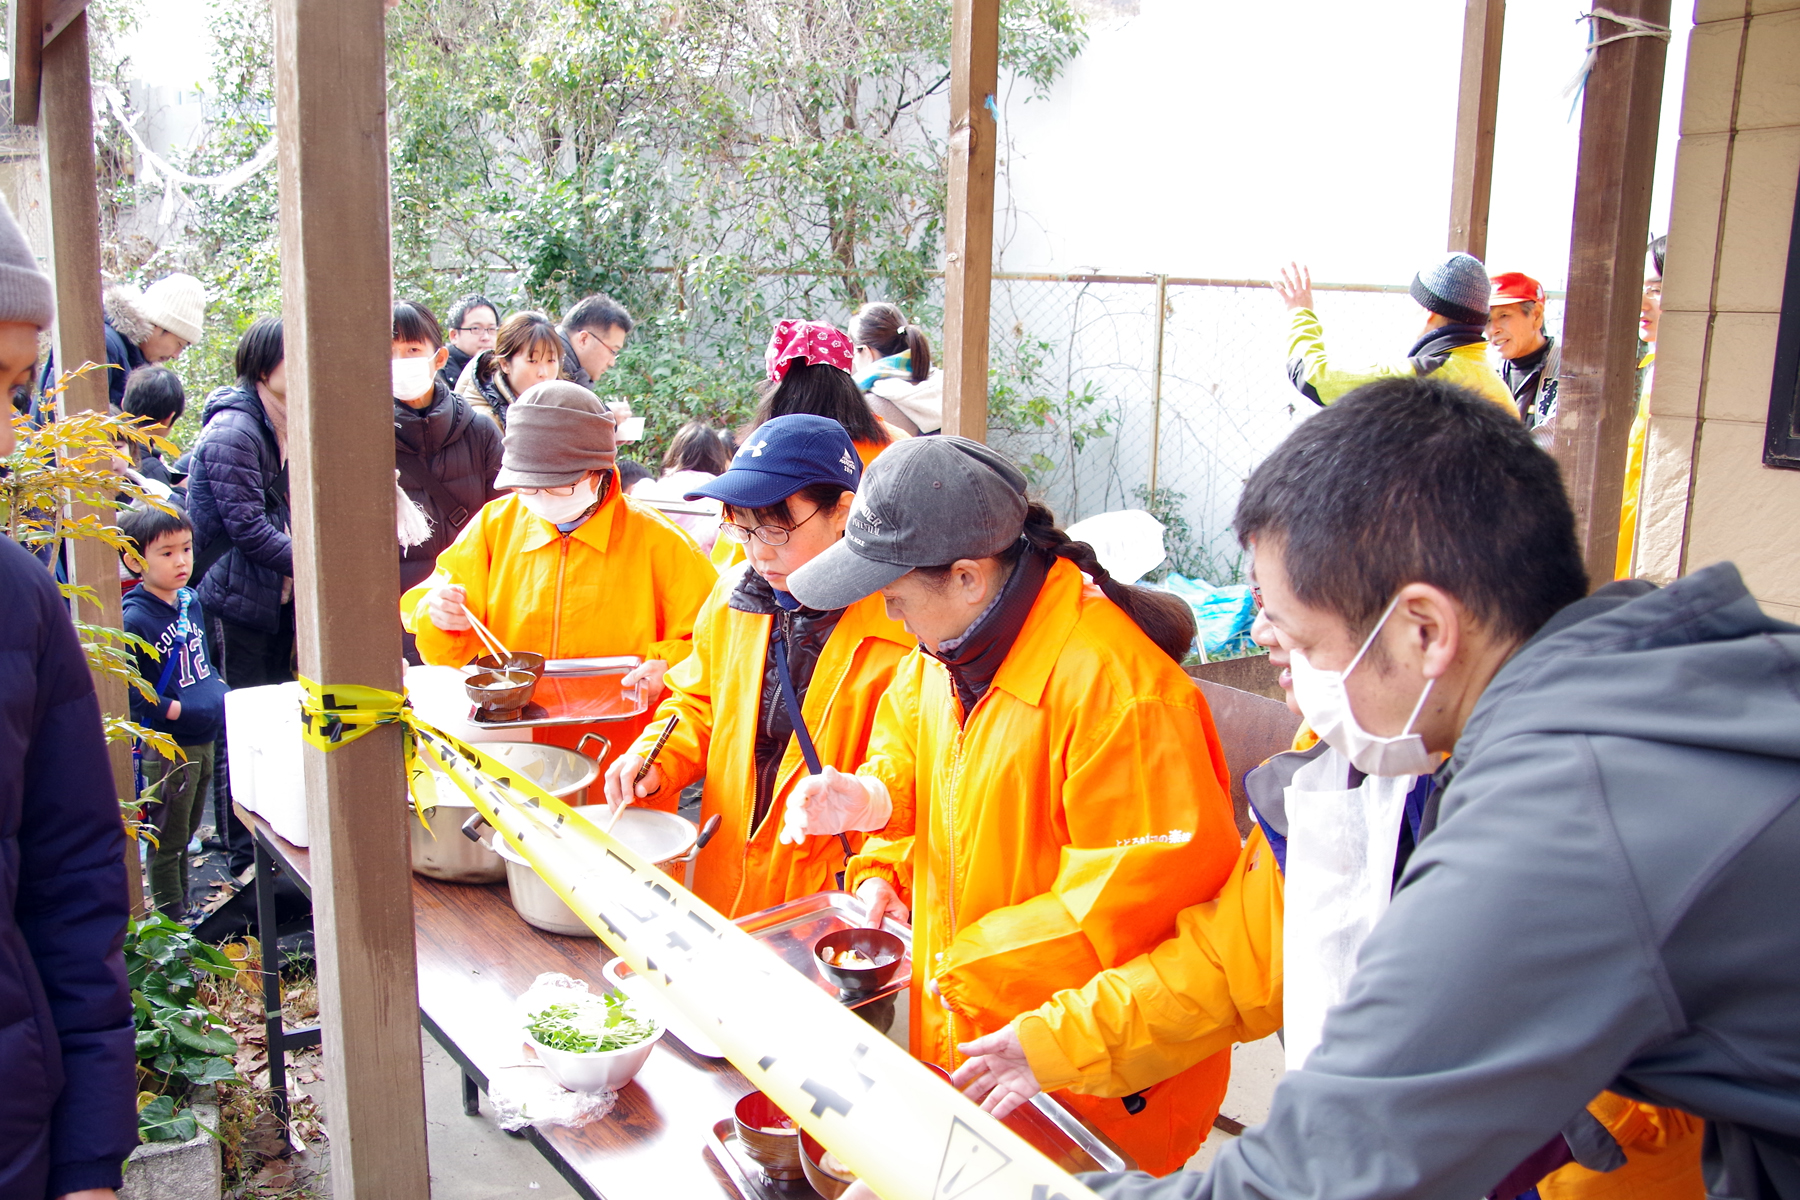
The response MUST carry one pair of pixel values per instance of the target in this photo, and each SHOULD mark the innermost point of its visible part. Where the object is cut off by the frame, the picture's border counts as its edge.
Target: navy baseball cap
(782, 456)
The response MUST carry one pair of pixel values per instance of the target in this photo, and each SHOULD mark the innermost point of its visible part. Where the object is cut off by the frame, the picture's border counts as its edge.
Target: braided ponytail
(1165, 619)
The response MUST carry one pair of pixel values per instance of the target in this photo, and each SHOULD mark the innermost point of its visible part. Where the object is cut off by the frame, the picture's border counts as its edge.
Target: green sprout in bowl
(590, 1026)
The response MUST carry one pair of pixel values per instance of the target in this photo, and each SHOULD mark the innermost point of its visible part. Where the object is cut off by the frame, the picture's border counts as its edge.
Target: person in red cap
(1530, 358)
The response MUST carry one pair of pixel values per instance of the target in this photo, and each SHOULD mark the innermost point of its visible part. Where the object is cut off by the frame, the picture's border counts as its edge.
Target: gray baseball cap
(925, 502)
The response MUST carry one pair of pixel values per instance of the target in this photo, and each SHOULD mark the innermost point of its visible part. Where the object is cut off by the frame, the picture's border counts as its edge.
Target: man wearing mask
(1570, 920)
(1529, 358)
(565, 565)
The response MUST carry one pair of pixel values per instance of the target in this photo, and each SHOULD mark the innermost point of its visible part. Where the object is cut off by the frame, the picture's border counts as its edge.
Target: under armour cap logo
(848, 462)
(755, 448)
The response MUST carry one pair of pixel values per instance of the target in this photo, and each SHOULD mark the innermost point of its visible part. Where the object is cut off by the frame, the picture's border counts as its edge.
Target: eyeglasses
(768, 535)
(1256, 597)
(477, 329)
(549, 491)
(1653, 290)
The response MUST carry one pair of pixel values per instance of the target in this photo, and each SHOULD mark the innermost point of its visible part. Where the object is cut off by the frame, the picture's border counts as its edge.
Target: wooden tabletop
(476, 957)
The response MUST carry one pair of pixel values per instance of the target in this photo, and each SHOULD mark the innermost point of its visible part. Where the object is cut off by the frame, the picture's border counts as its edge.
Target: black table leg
(471, 1096)
(274, 1032)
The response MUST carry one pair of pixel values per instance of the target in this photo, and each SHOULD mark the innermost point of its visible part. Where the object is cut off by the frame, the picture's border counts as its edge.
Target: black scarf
(977, 655)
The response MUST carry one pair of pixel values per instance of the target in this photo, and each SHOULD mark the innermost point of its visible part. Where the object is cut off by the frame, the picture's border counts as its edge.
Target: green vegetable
(589, 1026)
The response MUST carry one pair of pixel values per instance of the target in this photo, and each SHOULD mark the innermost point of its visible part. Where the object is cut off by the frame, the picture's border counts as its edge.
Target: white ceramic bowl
(597, 1070)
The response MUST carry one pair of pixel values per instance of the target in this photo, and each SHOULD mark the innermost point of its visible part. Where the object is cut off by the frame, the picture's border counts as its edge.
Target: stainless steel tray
(792, 929)
(584, 696)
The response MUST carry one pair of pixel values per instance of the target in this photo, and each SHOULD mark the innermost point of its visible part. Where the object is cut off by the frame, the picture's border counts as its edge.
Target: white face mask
(560, 510)
(1325, 702)
(412, 377)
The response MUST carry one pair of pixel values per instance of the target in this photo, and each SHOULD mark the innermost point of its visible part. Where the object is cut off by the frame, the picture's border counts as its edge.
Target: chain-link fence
(1083, 402)
(1135, 391)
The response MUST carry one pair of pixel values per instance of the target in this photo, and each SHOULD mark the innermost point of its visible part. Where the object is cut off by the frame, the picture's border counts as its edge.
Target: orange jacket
(1058, 832)
(626, 582)
(718, 692)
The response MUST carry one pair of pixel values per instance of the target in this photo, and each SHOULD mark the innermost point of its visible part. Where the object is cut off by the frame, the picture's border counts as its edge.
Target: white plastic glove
(835, 803)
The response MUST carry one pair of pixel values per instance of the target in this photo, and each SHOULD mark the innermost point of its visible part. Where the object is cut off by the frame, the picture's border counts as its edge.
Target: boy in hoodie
(1454, 292)
(190, 695)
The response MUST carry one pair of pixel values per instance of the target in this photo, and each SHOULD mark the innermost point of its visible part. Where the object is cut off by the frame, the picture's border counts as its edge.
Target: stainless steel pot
(664, 838)
(439, 849)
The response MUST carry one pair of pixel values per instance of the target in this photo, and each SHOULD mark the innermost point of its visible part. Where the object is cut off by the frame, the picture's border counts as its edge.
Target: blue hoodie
(182, 671)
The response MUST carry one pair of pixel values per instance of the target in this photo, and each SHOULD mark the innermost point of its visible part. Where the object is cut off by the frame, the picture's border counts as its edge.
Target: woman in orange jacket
(787, 496)
(1047, 785)
(566, 565)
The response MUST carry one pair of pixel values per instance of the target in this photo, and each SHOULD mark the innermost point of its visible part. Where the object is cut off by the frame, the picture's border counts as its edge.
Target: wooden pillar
(331, 114)
(1477, 109)
(1613, 175)
(66, 139)
(969, 215)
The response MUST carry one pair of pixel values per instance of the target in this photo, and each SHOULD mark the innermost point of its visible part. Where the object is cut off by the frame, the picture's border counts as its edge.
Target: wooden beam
(1614, 171)
(331, 114)
(66, 141)
(969, 216)
(1477, 110)
(27, 52)
(58, 14)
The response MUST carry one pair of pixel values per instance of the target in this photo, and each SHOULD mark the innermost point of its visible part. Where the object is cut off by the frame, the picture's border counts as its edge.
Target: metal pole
(1162, 307)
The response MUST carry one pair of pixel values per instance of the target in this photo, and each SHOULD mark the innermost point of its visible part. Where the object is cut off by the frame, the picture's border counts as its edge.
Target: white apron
(1341, 843)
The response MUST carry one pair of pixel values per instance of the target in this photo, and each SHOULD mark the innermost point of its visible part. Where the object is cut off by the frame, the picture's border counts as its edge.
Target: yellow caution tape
(864, 1098)
(336, 716)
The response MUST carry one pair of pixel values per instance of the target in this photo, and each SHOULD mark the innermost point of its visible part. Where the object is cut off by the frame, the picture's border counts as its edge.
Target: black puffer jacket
(67, 1063)
(238, 489)
(448, 457)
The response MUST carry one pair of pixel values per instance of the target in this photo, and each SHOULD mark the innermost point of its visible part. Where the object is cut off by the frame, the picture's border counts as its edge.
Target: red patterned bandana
(810, 341)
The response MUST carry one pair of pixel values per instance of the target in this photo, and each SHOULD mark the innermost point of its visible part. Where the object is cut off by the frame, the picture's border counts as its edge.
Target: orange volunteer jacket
(1057, 832)
(717, 690)
(628, 581)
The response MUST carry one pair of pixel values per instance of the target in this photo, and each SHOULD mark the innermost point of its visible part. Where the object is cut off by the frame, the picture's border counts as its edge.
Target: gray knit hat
(555, 433)
(1456, 287)
(25, 291)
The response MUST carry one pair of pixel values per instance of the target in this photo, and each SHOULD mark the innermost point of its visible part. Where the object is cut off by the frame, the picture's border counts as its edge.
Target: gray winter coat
(1604, 896)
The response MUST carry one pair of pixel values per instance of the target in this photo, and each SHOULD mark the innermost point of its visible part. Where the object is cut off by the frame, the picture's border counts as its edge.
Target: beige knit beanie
(177, 303)
(25, 291)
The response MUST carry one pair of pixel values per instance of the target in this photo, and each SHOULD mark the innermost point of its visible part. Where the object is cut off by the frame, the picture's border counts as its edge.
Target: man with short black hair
(1530, 358)
(1598, 891)
(474, 323)
(593, 333)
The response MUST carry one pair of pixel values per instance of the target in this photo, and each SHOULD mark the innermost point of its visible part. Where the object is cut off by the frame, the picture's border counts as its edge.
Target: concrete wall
(1707, 497)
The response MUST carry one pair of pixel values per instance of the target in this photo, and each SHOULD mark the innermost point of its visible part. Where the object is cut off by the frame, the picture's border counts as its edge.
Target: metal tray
(792, 929)
(576, 697)
(746, 1177)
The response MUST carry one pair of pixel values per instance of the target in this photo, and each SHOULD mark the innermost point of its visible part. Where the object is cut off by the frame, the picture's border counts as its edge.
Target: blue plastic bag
(1224, 615)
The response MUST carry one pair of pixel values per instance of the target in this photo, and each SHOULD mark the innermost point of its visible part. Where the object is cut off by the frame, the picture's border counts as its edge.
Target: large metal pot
(665, 839)
(439, 849)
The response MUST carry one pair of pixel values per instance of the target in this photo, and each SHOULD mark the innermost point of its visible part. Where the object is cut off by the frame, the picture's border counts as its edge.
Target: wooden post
(969, 216)
(66, 139)
(1477, 108)
(1613, 174)
(25, 39)
(331, 115)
